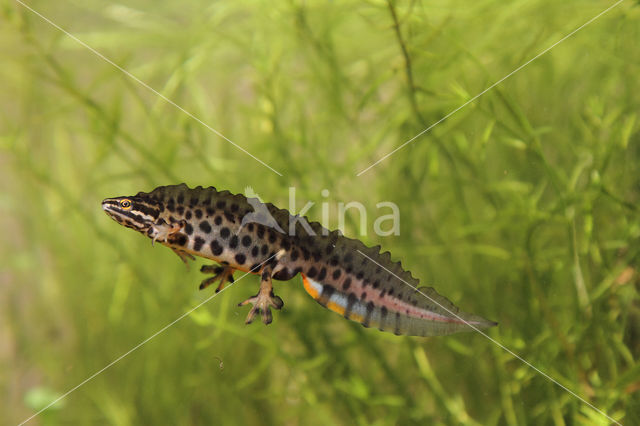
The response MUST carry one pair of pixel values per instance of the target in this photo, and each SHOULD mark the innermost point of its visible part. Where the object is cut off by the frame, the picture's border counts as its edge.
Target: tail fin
(423, 313)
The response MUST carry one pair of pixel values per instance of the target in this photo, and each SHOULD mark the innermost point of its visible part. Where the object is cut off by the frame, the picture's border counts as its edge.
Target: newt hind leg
(264, 300)
(222, 273)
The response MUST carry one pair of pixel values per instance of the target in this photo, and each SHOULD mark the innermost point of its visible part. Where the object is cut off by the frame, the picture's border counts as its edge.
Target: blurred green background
(521, 207)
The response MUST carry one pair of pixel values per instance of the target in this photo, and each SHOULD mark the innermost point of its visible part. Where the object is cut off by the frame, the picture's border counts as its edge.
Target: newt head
(133, 212)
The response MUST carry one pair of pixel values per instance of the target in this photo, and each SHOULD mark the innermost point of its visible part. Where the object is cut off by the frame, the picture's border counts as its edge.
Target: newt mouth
(107, 203)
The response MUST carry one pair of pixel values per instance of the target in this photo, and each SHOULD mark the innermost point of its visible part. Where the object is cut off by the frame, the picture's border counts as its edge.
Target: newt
(243, 234)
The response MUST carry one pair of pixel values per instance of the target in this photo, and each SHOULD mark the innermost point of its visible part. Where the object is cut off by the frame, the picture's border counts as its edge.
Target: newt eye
(125, 204)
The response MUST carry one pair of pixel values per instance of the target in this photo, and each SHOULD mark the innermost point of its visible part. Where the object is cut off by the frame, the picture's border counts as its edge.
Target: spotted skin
(340, 273)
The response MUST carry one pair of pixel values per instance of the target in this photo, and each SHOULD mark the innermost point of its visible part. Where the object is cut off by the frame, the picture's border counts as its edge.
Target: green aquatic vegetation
(521, 207)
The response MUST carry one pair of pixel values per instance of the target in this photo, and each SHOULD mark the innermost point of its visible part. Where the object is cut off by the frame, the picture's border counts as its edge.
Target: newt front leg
(264, 300)
(162, 230)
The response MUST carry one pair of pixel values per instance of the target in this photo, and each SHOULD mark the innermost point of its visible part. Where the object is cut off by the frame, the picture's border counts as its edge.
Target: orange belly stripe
(310, 288)
(314, 289)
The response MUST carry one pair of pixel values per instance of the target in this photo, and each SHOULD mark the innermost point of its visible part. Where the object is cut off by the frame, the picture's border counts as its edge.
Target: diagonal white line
(492, 86)
(140, 344)
(527, 363)
(142, 83)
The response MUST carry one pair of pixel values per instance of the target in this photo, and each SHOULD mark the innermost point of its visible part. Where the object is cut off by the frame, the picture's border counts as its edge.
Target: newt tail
(340, 273)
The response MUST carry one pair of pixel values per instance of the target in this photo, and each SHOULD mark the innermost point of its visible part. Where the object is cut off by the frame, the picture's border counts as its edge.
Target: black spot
(240, 258)
(360, 275)
(294, 255)
(283, 274)
(390, 292)
(264, 249)
(265, 275)
(376, 284)
(312, 272)
(233, 242)
(246, 241)
(171, 207)
(383, 311)
(255, 267)
(217, 220)
(234, 207)
(193, 201)
(349, 269)
(229, 217)
(370, 307)
(334, 261)
(180, 210)
(346, 284)
(197, 245)
(250, 227)
(272, 237)
(188, 215)
(198, 213)
(297, 270)
(260, 231)
(286, 244)
(180, 199)
(216, 248)
(210, 211)
(367, 318)
(181, 239)
(305, 253)
(225, 232)
(255, 251)
(351, 300)
(363, 296)
(327, 292)
(188, 229)
(220, 204)
(204, 225)
(336, 274)
(322, 274)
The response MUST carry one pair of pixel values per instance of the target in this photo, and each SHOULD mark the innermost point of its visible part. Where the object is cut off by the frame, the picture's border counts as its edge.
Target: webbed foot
(222, 273)
(161, 230)
(262, 303)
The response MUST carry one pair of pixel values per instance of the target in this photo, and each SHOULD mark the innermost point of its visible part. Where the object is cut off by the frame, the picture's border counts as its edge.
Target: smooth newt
(244, 234)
